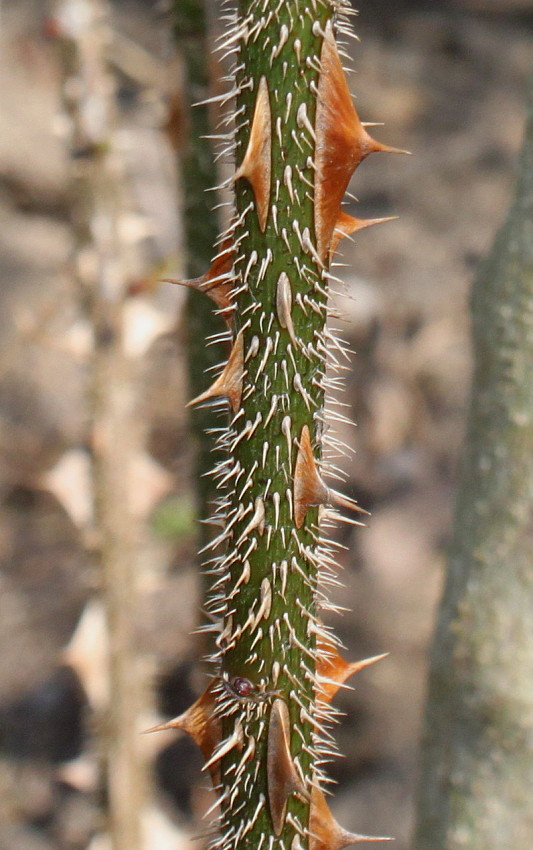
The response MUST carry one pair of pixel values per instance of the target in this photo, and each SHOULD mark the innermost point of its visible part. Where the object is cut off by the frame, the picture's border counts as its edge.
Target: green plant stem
(282, 392)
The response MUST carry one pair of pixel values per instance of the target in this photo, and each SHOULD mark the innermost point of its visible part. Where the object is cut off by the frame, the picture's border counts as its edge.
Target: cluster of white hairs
(264, 721)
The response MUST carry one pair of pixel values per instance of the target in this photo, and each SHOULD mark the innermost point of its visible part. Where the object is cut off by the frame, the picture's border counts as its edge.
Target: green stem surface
(282, 391)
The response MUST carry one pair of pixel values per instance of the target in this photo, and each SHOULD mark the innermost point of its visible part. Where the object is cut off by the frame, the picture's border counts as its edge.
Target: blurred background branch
(477, 758)
(104, 262)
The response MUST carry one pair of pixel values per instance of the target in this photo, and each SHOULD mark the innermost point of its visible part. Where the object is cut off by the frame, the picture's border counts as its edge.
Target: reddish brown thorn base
(229, 383)
(256, 165)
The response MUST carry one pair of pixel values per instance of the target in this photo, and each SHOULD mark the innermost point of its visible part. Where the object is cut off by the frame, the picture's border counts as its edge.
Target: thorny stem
(283, 390)
(297, 140)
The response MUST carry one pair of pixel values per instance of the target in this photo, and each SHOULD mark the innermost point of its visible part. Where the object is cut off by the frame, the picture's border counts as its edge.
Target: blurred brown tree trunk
(477, 772)
(102, 267)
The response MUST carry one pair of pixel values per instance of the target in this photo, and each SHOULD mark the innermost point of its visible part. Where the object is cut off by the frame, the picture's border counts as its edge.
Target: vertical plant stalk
(262, 722)
(475, 788)
(101, 273)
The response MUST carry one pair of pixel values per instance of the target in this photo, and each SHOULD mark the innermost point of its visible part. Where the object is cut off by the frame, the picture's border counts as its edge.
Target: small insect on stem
(244, 689)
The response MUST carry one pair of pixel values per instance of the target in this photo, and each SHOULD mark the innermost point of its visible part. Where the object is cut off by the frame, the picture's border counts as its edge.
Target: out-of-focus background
(449, 81)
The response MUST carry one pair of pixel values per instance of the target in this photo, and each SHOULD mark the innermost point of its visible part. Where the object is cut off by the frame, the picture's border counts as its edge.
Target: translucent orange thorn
(217, 282)
(162, 727)
(199, 722)
(309, 488)
(339, 500)
(333, 670)
(229, 383)
(256, 165)
(374, 146)
(326, 833)
(347, 224)
(342, 142)
(282, 776)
